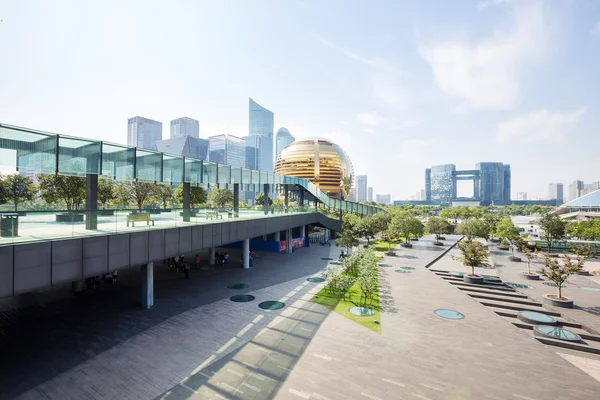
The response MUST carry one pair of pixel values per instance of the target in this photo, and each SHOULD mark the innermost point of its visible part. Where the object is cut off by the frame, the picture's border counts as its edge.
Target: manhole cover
(384, 265)
(593, 289)
(519, 286)
(553, 284)
(326, 258)
(455, 273)
(533, 317)
(556, 332)
(361, 311)
(242, 298)
(402, 271)
(448, 314)
(237, 286)
(271, 305)
(316, 280)
(407, 268)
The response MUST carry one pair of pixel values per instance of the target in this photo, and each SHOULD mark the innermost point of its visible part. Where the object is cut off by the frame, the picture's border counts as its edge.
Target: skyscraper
(143, 132)
(361, 188)
(521, 195)
(261, 127)
(283, 137)
(370, 193)
(185, 126)
(227, 149)
(555, 191)
(575, 189)
(185, 146)
(383, 198)
(492, 182)
(442, 188)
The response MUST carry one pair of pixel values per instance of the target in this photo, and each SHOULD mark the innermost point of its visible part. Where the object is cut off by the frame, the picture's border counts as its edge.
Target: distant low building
(185, 146)
(383, 198)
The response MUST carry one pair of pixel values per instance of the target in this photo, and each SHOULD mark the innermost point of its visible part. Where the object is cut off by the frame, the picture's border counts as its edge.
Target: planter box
(106, 213)
(515, 259)
(583, 272)
(558, 303)
(442, 238)
(477, 280)
(408, 245)
(505, 248)
(438, 243)
(414, 239)
(69, 218)
(153, 211)
(533, 277)
(389, 253)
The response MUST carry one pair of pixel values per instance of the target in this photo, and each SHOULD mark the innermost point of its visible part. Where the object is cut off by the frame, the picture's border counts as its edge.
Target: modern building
(521, 195)
(143, 132)
(261, 127)
(283, 137)
(491, 183)
(370, 193)
(575, 189)
(555, 191)
(227, 149)
(185, 126)
(352, 195)
(581, 208)
(322, 162)
(361, 188)
(186, 146)
(383, 198)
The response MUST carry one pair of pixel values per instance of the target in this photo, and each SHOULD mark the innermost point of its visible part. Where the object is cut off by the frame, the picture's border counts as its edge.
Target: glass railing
(34, 226)
(35, 152)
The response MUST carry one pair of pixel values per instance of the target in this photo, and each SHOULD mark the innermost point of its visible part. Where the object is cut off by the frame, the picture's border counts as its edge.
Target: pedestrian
(186, 270)
(197, 261)
(226, 257)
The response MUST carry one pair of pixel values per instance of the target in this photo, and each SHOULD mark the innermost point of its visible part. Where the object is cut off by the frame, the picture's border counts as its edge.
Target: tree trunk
(560, 291)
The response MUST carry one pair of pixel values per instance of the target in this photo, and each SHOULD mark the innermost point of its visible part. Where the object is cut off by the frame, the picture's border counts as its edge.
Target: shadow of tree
(408, 257)
(591, 310)
(386, 301)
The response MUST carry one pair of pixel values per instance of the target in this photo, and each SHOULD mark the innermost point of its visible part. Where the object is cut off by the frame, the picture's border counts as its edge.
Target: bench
(133, 218)
(213, 214)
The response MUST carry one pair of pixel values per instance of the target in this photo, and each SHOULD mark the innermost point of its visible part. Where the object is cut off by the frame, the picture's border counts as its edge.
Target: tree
(531, 255)
(61, 188)
(4, 192)
(18, 188)
(197, 195)
(220, 197)
(407, 226)
(368, 227)
(553, 229)
(347, 239)
(473, 228)
(140, 192)
(472, 255)
(450, 213)
(165, 193)
(492, 220)
(106, 192)
(438, 226)
(259, 200)
(584, 251)
(508, 231)
(558, 272)
(388, 237)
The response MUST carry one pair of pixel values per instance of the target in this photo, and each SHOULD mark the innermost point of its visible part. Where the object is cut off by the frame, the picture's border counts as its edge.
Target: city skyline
(395, 100)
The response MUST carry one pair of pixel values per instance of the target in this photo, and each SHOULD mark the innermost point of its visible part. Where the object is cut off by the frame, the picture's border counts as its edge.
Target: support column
(316, 206)
(288, 241)
(186, 202)
(147, 285)
(211, 255)
(246, 253)
(285, 196)
(266, 195)
(236, 200)
(277, 237)
(303, 231)
(301, 200)
(78, 286)
(91, 201)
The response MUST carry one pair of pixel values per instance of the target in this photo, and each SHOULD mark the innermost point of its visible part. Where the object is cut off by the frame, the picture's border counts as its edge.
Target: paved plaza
(197, 344)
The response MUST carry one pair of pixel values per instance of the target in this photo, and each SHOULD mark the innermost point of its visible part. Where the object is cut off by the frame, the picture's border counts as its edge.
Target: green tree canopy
(17, 188)
(347, 239)
(473, 228)
(260, 198)
(220, 197)
(165, 193)
(472, 255)
(69, 190)
(450, 213)
(553, 229)
(197, 195)
(492, 220)
(407, 226)
(506, 230)
(139, 192)
(558, 271)
(438, 226)
(107, 191)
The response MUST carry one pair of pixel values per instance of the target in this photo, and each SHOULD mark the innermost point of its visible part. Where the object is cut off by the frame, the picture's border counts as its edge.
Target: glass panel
(78, 157)
(30, 151)
(193, 171)
(255, 181)
(270, 178)
(209, 172)
(172, 169)
(246, 176)
(263, 178)
(236, 175)
(117, 161)
(148, 165)
(224, 175)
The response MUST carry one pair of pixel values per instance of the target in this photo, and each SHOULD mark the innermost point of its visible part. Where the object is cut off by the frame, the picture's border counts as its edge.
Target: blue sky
(401, 85)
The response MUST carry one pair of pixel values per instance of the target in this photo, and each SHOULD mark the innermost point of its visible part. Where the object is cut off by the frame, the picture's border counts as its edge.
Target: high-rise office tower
(227, 149)
(575, 189)
(505, 199)
(352, 195)
(442, 187)
(283, 137)
(383, 198)
(143, 132)
(261, 128)
(370, 193)
(492, 183)
(185, 146)
(555, 191)
(422, 196)
(361, 188)
(185, 126)
(428, 184)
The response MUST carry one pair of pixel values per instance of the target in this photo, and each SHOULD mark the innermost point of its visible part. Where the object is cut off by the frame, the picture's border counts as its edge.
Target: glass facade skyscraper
(361, 187)
(185, 126)
(283, 137)
(261, 126)
(442, 185)
(492, 183)
(227, 149)
(143, 132)
(185, 146)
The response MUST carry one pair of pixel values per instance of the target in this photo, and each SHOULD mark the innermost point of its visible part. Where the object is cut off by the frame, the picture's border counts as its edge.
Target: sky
(400, 85)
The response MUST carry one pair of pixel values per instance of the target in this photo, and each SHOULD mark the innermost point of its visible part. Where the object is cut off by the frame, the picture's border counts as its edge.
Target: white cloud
(596, 29)
(389, 92)
(539, 125)
(485, 73)
(488, 3)
(372, 118)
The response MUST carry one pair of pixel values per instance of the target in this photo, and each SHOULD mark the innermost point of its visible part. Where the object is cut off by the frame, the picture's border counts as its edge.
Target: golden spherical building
(320, 161)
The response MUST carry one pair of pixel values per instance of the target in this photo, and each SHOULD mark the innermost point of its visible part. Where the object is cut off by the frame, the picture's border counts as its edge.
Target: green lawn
(383, 246)
(334, 303)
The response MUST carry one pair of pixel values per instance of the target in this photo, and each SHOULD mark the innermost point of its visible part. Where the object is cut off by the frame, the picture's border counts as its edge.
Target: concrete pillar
(91, 201)
(266, 195)
(246, 253)
(78, 286)
(277, 236)
(211, 255)
(316, 206)
(236, 200)
(303, 231)
(288, 241)
(147, 285)
(264, 238)
(301, 200)
(186, 202)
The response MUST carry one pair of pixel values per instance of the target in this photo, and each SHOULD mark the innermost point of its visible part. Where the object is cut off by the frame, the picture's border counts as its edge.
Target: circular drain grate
(242, 298)
(533, 317)
(455, 273)
(593, 289)
(384, 265)
(519, 286)
(271, 305)
(402, 271)
(361, 311)
(448, 314)
(316, 280)
(556, 332)
(237, 286)
(408, 268)
(553, 284)
(492, 278)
